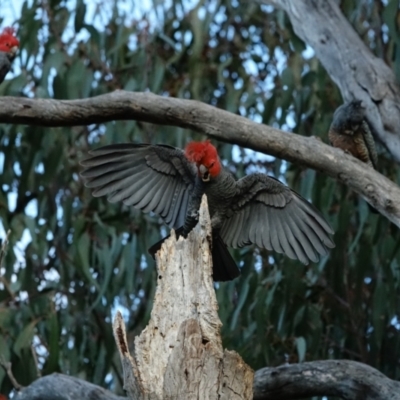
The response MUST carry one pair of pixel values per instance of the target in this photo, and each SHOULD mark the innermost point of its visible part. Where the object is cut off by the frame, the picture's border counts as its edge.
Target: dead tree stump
(179, 354)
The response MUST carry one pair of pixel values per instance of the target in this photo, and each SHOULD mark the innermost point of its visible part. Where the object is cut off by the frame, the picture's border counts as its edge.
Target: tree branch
(379, 191)
(342, 378)
(64, 387)
(8, 368)
(349, 62)
(348, 380)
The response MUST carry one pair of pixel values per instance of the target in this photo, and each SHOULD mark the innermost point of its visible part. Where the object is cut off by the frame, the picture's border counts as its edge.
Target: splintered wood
(179, 354)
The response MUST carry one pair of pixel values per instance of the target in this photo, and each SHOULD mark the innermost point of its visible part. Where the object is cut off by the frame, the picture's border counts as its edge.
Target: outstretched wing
(155, 178)
(274, 217)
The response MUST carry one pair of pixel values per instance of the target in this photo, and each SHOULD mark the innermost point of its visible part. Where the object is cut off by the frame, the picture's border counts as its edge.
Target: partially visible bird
(9, 45)
(351, 132)
(170, 182)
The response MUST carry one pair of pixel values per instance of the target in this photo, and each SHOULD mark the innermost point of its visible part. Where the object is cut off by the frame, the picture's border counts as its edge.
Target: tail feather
(224, 266)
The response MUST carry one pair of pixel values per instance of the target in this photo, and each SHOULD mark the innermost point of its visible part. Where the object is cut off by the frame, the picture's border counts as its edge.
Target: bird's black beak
(205, 175)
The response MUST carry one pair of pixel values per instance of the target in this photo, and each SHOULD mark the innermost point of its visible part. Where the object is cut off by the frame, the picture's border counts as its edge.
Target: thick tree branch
(345, 379)
(219, 124)
(64, 387)
(349, 62)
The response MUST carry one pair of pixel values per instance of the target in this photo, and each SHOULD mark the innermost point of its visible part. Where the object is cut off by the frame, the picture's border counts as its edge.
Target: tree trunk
(179, 354)
(350, 63)
(349, 380)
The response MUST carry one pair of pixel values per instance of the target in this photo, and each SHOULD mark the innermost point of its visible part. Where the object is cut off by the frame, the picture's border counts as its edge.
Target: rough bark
(349, 62)
(64, 387)
(179, 354)
(379, 191)
(348, 380)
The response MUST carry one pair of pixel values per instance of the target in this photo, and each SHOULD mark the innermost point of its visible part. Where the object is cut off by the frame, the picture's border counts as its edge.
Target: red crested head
(205, 156)
(8, 41)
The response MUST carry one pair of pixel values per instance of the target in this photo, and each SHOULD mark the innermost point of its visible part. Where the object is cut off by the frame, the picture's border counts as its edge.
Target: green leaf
(287, 77)
(24, 339)
(301, 347)
(299, 316)
(83, 247)
(80, 12)
(5, 355)
(243, 296)
(5, 317)
(379, 311)
(51, 364)
(309, 78)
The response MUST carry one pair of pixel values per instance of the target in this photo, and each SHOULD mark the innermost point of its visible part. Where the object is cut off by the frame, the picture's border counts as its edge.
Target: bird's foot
(195, 215)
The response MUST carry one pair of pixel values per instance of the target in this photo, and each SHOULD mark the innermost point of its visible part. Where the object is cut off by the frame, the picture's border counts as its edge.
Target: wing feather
(266, 222)
(227, 230)
(246, 238)
(284, 237)
(315, 221)
(299, 241)
(258, 240)
(237, 233)
(127, 190)
(302, 222)
(152, 178)
(158, 206)
(294, 243)
(274, 217)
(147, 192)
(312, 211)
(105, 176)
(173, 211)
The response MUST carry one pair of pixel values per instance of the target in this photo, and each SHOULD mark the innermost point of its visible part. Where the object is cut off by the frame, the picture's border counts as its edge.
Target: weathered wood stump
(179, 354)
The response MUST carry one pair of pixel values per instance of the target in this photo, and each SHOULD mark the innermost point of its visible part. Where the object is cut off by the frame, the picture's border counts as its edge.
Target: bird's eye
(211, 165)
